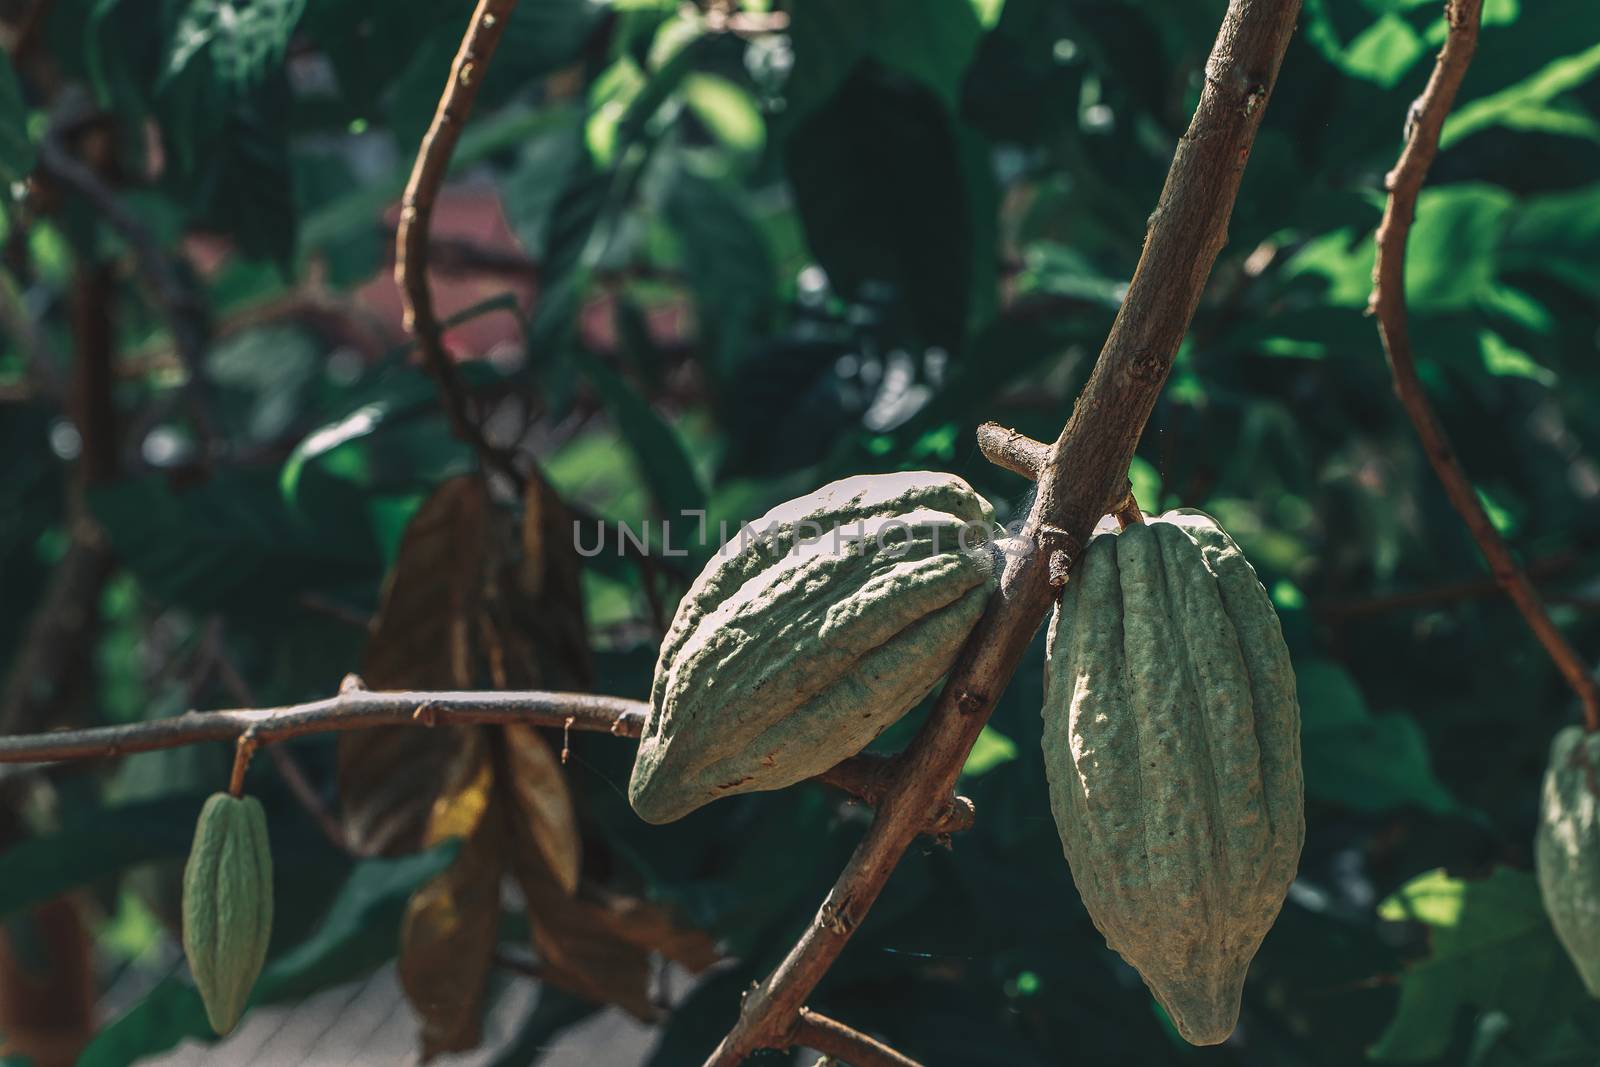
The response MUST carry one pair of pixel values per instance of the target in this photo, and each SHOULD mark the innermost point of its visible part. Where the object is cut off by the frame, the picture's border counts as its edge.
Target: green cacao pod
(1566, 850)
(810, 632)
(1172, 748)
(227, 905)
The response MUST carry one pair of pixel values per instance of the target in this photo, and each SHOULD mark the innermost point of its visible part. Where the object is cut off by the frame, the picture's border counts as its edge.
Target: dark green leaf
(1357, 759)
(99, 844)
(658, 450)
(16, 148)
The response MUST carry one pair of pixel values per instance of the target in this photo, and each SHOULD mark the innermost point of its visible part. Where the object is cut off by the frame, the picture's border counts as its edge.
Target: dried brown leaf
(542, 815)
(421, 639)
(451, 927)
(549, 575)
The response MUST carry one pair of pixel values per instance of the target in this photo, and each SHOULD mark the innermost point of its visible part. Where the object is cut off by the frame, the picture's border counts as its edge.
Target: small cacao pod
(810, 632)
(227, 905)
(1172, 748)
(1566, 849)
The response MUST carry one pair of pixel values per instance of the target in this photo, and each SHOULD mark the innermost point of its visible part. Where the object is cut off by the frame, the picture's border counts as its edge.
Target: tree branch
(844, 1043)
(1388, 302)
(416, 214)
(356, 708)
(1013, 451)
(1086, 469)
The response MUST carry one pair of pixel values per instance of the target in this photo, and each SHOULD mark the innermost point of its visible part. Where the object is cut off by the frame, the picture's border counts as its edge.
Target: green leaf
(1555, 235)
(1356, 759)
(871, 171)
(360, 931)
(1492, 951)
(728, 264)
(1504, 360)
(16, 147)
(1382, 53)
(1531, 102)
(101, 843)
(990, 750)
(929, 41)
(234, 537)
(658, 450)
(727, 110)
(1451, 258)
(242, 39)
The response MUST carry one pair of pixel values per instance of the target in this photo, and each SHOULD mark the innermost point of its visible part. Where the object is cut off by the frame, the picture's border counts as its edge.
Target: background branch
(1388, 302)
(1085, 473)
(416, 214)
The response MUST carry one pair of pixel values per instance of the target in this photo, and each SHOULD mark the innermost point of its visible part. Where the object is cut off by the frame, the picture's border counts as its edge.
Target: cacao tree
(616, 460)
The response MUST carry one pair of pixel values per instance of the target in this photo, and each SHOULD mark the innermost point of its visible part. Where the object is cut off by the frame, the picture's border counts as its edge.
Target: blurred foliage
(690, 268)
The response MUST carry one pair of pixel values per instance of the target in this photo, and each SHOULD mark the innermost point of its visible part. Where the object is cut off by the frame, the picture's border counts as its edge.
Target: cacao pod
(1172, 748)
(809, 633)
(1566, 849)
(227, 905)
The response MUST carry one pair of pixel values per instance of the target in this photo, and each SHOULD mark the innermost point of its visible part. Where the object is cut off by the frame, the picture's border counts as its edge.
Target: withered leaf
(421, 639)
(451, 925)
(542, 816)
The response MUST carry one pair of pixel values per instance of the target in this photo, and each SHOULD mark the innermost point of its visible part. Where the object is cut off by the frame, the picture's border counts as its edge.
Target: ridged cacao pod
(227, 905)
(1172, 747)
(810, 632)
(1566, 849)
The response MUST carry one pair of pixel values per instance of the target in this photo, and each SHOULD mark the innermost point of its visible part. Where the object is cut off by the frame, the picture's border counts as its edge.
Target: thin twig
(1445, 593)
(844, 1043)
(1088, 465)
(416, 213)
(1388, 302)
(243, 750)
(867, 777)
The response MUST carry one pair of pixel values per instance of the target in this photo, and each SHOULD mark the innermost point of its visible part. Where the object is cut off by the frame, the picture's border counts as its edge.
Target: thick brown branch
(1086, 468)
(1388, 302)
(845, 1044)
(416, 213)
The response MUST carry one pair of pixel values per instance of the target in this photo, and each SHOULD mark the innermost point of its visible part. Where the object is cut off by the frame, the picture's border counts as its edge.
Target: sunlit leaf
(1492, 951)
(990, 750)
(1531, 102)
